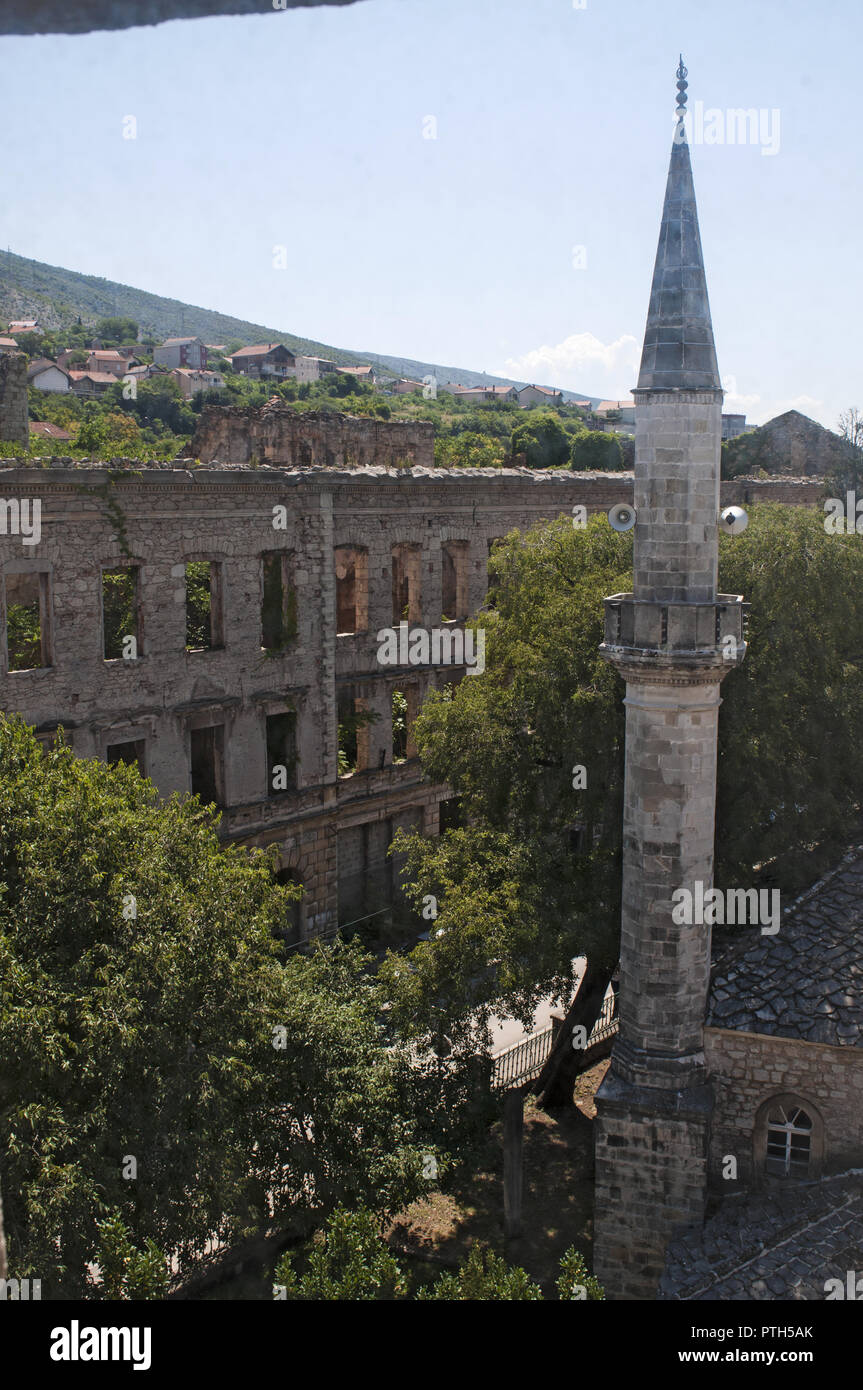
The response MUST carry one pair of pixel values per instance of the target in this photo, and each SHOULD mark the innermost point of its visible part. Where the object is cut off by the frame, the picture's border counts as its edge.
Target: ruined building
(217, 625)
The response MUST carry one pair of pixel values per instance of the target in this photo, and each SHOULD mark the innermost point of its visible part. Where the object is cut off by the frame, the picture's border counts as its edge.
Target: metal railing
(524, 1060)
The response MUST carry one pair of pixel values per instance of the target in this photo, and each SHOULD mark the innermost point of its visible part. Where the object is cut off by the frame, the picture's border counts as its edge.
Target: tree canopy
(533, 879)
(163, 1060)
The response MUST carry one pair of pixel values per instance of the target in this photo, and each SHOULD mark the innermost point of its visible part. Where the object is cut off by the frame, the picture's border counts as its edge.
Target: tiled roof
(45, 430)
(806, 981)
(94, 376)
(782, 1244)
(43, 364)
(257, 351)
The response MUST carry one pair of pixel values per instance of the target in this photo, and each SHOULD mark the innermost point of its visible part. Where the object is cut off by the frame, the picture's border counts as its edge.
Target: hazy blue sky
(305, 129)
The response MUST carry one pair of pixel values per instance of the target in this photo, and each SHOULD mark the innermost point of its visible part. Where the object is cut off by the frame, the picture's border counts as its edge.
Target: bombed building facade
(216, 622)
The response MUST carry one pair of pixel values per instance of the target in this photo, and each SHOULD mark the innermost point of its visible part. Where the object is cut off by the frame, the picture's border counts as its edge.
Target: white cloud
(759, 409)
(582, 362)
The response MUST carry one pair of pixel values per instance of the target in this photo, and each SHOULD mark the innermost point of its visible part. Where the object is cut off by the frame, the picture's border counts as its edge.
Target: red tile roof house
(366, 374)
(538, 395)
(92, 383)
(106, 360)
(43, 429)
(265, 359)
(485, 393)
(8, 345)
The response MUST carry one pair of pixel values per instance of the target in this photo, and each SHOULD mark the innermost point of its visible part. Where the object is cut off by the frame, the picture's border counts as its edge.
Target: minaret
(672, 640)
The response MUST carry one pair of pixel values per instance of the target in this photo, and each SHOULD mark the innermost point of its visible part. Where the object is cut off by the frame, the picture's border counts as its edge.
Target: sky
(472, 183)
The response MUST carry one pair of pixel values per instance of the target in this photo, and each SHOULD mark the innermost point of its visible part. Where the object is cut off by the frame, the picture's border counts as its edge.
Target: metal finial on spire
(682, 84)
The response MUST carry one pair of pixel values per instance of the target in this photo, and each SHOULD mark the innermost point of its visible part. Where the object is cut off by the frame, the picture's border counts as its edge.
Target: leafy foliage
(350, 1261)
(126, 1272)
(533, 879)
(147, 1011)
(542, 441)
(594, 450)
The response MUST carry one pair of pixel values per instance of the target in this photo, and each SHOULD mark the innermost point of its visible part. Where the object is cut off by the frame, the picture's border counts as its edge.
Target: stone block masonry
(172, 707)
(14, 418)
(279, 435)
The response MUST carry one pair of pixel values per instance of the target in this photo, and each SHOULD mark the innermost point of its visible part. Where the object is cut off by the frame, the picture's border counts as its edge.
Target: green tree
(533, 879)
(118, 329)
(542, 440)
(124, 1271)
(484, 1277)
(469, 450)
(348, 1262)
(163, 1058)
(744, 455)
(596, 451)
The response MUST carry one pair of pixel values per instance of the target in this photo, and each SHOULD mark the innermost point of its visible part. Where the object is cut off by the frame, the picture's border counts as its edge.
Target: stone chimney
(673, 640)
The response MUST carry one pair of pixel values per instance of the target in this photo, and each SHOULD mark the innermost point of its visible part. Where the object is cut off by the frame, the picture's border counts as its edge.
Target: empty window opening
(365, 877)
(454, 604)
(281, 753)
(207, 749)
(352, 589)
(279, 600)
(120, 614)
(406, 561)
(404, 712)
(789, 1141)
(203, 605)
(354, 718)
(27, 621)
(450, 814)
(131, 753)
(290, 929)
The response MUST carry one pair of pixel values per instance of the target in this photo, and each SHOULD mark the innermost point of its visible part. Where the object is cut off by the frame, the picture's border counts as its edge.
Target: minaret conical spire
(679, 352)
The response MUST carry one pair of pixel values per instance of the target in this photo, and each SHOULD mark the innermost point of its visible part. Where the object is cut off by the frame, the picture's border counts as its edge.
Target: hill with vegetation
(58, 298)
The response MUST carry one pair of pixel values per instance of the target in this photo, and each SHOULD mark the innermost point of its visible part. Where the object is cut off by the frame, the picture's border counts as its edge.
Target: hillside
(57, 297)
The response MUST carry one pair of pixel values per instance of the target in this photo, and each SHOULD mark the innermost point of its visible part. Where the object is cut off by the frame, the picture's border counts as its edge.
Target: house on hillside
(362, 374)
(265, 359)
(92, 383)
(538, 395)
(616, 416)
(8, 345)
(191, 382)
(24, 326)
(181, 352)
(479, 395)
(106, 360)
(313, 368)
(45, 375)
(404, 386)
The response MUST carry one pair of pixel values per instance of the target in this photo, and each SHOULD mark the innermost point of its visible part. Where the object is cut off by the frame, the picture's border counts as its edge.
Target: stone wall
(155, 518)
(748, 1068)
(14, 419)
(277, 434)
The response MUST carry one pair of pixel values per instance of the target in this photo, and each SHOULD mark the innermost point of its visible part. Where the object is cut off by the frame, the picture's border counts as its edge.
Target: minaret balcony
(675, 634)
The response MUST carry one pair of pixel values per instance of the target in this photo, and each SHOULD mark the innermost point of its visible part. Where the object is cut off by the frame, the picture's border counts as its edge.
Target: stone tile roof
(678, 341)
(777, 1245)
(806, 981)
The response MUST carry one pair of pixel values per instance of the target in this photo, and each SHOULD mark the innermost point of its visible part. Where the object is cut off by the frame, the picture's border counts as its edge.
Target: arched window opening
(789, 1141)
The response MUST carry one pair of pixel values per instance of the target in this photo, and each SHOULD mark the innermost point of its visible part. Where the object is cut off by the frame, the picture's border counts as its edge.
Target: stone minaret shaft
(670, 641)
